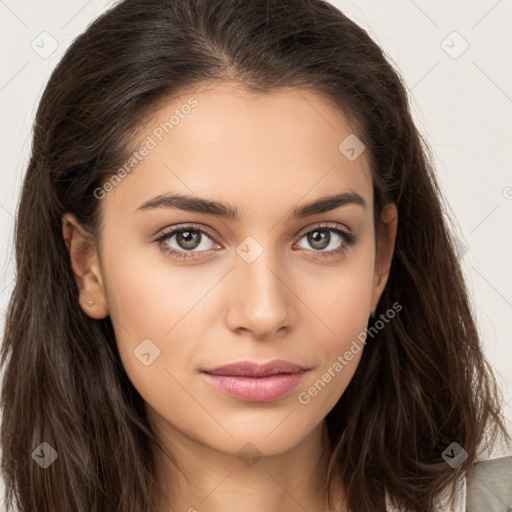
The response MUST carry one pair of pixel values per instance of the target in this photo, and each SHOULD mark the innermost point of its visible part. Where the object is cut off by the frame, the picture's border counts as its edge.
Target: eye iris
(319, 242)
(188, 239)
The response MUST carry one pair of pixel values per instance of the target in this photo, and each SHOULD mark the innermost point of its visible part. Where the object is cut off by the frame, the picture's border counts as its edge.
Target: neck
(202, 478)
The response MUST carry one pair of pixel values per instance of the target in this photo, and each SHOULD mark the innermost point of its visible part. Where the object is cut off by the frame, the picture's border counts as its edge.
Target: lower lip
(256, 389)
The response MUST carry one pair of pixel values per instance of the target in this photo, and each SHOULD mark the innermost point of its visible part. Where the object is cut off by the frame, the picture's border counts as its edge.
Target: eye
(188, 240)
(321, 238)
(183, 242)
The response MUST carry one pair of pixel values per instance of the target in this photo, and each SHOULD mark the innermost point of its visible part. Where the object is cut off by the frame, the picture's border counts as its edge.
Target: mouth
(254, 382)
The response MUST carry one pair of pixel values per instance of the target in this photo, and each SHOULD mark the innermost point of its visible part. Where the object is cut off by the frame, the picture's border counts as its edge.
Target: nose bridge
(261, 299)
(259, 265)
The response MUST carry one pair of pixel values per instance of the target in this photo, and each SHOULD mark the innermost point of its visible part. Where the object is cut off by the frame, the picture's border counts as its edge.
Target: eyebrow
(225, 211)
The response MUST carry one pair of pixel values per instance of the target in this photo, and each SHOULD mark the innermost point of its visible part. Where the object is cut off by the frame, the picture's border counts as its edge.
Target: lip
(255, 382)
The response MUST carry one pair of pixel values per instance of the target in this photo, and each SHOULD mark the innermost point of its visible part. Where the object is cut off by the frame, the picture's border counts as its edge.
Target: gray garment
(489, 486)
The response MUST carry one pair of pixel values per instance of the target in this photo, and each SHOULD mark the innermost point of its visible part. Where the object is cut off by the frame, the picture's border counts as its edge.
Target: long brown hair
(422, 382)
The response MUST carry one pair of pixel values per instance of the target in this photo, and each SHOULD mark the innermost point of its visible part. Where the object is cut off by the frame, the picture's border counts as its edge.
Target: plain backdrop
(454, 58)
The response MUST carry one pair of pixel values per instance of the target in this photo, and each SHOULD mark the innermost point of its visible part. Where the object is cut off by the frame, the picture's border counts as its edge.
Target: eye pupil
(319, 239)
(188, 239)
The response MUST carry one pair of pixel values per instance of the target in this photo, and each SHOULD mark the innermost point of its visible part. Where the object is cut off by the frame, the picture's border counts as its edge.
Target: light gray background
(462, 104)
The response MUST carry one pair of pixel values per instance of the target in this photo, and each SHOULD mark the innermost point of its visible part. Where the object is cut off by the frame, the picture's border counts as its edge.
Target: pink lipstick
(254, 382)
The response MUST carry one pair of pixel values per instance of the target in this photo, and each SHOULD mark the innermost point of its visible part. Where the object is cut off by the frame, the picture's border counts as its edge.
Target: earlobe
(385, 250)
(85, 266)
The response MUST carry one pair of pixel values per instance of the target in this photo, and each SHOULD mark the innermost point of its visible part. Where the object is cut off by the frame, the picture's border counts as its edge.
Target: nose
(261, 302)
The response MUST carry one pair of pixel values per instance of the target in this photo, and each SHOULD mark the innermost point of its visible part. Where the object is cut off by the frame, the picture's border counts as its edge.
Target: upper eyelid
(320, 225)
(323, 225)
(171, 231)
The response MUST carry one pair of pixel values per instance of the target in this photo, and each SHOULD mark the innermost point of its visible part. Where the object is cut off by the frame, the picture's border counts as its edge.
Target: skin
(264, 155)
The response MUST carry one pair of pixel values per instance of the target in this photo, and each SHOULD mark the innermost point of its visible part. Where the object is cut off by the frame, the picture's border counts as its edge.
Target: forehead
(232, 145)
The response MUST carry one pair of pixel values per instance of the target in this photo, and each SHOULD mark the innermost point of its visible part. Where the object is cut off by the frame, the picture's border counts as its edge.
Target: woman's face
(255, 276)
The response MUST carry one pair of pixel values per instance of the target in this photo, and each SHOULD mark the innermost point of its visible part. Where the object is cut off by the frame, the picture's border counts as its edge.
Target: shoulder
(489, 486)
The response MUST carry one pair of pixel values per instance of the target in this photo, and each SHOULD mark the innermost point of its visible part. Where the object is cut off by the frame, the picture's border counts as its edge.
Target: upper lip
(254, 369)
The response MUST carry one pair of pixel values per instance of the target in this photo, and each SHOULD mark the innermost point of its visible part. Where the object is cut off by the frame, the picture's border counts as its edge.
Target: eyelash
(349, 240)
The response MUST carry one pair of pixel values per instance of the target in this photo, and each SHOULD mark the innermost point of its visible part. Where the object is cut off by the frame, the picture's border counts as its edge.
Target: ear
(86, 268)
(385, 248)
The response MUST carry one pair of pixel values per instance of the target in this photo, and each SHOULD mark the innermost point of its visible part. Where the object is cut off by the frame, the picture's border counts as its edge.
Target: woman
(236, 288)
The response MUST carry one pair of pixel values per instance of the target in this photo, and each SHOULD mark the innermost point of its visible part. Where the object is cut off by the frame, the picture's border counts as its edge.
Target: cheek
(344, 309)
(155, 312)
(149, 303)
(344, 300)
(150, 297)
